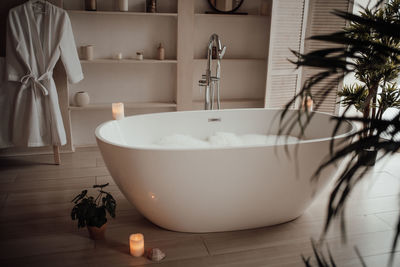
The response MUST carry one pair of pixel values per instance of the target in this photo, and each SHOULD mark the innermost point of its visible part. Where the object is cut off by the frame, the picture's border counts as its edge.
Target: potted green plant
(91, 212)
(375, 90)
(337, 62)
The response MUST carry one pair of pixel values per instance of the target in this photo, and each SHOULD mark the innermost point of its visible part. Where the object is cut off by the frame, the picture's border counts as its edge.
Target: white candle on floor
(136, 245)
(118, 111)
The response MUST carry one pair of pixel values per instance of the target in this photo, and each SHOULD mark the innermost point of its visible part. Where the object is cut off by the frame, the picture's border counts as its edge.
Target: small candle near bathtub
(136, 245)
(118, 56)
(118, 111)
(309, 103)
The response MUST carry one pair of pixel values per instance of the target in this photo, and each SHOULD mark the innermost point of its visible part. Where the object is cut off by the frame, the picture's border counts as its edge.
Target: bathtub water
(209, 171)
(223, 139)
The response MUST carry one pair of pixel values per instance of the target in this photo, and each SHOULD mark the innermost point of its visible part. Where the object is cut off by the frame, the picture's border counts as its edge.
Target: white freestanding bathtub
(215, 189)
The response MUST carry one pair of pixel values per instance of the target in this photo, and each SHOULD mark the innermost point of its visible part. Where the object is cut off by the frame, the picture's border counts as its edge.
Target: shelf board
(203, 15)
(234, 103)
(121, 13)
(127, 61)
(134, 105)
(232, 59)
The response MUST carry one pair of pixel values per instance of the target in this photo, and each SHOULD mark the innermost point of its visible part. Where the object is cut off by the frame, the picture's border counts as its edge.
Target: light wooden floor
(36, 230)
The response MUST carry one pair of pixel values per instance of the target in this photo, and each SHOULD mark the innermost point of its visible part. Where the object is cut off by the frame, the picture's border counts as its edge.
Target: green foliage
(370, 50)
(90, 211)
(354, 95)
(371, 67)
(389, 97)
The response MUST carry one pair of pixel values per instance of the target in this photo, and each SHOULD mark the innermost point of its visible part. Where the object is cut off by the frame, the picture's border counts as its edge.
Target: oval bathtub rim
(100, 138)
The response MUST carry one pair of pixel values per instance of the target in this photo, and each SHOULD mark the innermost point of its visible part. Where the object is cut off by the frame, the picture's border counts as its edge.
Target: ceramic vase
(82, 99)
(87, 52)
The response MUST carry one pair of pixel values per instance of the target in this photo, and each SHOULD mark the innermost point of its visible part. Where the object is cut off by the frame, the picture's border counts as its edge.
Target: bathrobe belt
(36, 82)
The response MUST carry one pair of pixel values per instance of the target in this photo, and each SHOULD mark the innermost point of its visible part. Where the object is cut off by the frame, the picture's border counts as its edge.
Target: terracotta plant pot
(367, 157)
(97, 233)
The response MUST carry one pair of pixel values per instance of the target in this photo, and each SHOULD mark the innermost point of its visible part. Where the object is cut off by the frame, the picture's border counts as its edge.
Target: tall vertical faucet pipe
(211, 83)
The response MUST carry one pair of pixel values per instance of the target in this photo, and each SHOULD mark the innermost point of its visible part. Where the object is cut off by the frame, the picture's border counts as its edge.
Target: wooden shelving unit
(84, 12)
(234, 103)
(138, 105)
(233, 59)
(128, 61)
(226, 16)
(153, 85)
(244, 66)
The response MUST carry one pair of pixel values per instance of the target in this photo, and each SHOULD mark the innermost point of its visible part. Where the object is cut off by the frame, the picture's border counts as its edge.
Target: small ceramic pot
(88, 52)
(97, 233)
(139, 55)
(82, 99)
(91, 5)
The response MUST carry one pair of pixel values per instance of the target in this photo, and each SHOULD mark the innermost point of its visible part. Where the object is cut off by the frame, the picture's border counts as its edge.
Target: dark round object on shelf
(235, 6)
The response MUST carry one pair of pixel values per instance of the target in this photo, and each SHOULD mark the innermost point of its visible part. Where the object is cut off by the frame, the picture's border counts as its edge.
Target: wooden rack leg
(56, 152)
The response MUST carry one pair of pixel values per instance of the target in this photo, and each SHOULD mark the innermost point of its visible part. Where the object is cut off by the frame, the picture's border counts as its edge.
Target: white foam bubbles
(223, 139)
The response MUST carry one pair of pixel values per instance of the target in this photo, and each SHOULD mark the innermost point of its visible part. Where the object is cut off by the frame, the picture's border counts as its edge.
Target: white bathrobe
(35, 41)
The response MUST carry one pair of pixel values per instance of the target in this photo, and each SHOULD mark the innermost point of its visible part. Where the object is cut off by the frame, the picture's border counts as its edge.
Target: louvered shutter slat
(324, 22)
(287, 31)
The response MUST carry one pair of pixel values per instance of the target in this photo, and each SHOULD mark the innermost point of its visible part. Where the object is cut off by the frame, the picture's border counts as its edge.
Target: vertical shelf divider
(185, 45)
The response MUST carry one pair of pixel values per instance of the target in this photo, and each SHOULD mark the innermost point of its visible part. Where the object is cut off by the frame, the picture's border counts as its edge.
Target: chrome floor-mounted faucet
(211, 82)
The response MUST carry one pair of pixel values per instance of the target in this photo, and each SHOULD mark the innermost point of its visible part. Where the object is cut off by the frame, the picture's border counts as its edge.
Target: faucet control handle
(202, 82)
(221, 53)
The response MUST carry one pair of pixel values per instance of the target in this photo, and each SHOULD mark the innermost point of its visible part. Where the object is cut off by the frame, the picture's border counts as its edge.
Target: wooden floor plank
(116, 253)
(42, 245)
(61, 174)
(105, 179)
(7, 177)
(391, 218)
(75, 183)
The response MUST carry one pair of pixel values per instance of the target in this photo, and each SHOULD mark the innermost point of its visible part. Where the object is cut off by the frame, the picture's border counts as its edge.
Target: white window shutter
(292, 22)
(286, 33)
(322, 22)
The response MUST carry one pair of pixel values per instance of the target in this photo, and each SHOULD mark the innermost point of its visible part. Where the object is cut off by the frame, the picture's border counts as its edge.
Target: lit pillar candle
(118, 111)
(308, 102)
(136, 245)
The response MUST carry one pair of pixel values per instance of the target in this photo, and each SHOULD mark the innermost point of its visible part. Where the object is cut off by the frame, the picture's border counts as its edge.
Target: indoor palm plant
(375, 89)
(91, 212)
(353, 50)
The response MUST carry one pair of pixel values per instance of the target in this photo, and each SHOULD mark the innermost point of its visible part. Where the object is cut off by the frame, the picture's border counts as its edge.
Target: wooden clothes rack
(56, 153)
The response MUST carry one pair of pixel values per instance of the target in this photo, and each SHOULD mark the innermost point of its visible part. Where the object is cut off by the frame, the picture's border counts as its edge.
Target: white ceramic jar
(123, 5)
(88, 52)
(82, 99)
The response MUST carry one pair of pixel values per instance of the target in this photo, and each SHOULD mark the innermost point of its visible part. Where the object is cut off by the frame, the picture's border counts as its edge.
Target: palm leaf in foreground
(339, 62)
